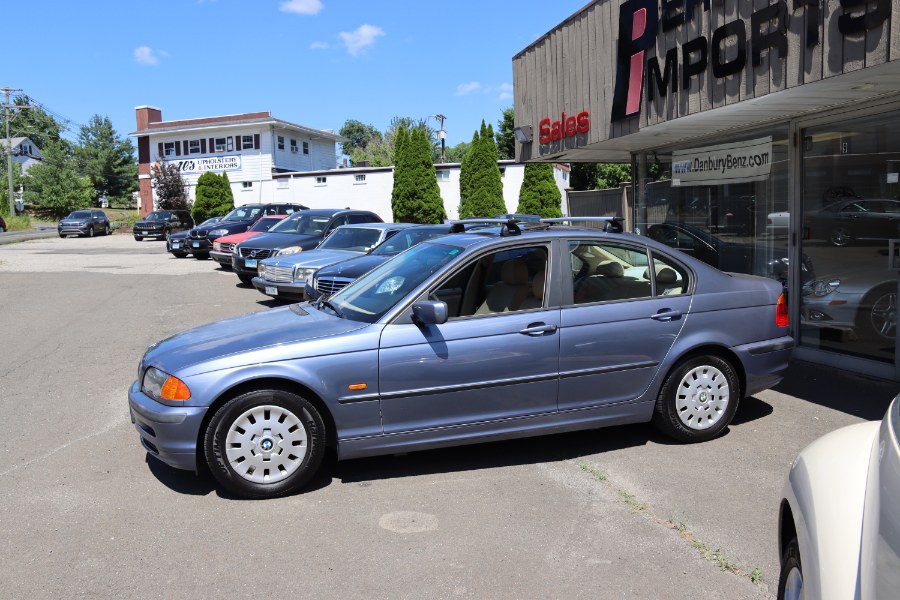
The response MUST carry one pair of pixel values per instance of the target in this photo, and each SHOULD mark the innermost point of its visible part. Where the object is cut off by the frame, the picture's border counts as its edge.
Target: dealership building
(768, 130)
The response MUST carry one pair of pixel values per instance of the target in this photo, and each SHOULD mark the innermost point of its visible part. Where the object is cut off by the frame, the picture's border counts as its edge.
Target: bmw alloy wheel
(266, 444)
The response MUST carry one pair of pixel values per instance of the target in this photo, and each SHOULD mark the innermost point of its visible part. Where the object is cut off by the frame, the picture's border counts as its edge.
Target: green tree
(480, 185)
(107, 160)
(214, 196)
(456, 154)
(539, 194)
(506, 136)
(31, 121)
(583, 176)
(55, 184)
(416, 197)
(359, 135)
(599, 176)
(169, 186)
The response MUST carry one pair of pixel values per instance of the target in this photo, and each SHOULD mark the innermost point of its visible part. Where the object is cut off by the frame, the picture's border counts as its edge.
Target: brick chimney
(146, 115)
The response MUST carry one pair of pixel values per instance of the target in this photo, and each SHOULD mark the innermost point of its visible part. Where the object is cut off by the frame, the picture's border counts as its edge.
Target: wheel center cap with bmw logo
(266, 444)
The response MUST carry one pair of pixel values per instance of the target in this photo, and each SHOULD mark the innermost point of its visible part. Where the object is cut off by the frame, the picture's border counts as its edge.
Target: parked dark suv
(83, 222)
(299, 232)
(200, 239)
(160, 223)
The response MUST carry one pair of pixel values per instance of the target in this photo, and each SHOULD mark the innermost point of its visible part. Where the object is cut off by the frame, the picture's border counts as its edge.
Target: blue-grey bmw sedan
(490, 334)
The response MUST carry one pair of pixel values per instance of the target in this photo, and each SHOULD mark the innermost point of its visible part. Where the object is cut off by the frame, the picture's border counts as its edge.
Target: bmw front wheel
(265, 444)
(698, 399)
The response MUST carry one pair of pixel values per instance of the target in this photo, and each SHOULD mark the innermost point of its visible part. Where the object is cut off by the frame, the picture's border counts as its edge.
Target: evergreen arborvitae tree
(416, 197)
(465, 178)
(214, 197)
(539, 194)
(484, 194)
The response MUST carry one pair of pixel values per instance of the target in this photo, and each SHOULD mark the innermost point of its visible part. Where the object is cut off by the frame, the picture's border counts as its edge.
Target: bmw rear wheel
(698, 399)
(265, 443)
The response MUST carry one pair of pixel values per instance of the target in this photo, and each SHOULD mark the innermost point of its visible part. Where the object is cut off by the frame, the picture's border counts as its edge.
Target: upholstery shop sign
(217, 164)
(725, 163)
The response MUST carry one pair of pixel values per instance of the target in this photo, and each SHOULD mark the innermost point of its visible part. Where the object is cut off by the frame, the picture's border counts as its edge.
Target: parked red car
(221, 248)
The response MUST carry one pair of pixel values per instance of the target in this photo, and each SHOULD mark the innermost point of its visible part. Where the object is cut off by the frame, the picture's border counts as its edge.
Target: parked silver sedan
(839, 521)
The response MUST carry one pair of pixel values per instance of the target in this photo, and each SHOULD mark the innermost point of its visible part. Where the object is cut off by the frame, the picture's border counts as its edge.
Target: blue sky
(312, 62)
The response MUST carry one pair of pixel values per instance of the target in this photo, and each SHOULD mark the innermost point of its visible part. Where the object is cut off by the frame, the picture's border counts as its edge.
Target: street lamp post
(442, 135)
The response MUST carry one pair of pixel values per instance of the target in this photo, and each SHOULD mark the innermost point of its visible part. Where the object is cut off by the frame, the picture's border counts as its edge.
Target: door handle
(538, 329)
(666, 314)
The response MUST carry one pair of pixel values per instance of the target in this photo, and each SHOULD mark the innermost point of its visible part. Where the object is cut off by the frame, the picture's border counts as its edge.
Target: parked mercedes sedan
(839, 525)
(475, 336)
(87, 223)
(286, 277)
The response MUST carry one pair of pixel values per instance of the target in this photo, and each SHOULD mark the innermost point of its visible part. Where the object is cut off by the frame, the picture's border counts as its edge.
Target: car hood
(272, 240)
(181, 235)
(196, 350)
(236, 238)
(312, 259)
(355, 267)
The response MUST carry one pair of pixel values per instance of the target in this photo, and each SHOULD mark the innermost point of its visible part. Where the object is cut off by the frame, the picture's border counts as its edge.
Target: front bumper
(283, 291)
(179, 245)
(169, 433)
(223, 258)
(157, 233)
(201, 246)
(72, 229)
(245, 266)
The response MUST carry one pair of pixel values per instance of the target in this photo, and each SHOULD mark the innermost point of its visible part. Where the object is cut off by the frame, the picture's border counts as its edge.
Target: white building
(24, 152)
(250, 147)
(369, 188)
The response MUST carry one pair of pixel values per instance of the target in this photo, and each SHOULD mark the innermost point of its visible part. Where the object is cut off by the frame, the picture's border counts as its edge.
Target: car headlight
(217, 246)
(219, 232)
(820, 287)
(303, 274)
(288, 251)
(162, 386)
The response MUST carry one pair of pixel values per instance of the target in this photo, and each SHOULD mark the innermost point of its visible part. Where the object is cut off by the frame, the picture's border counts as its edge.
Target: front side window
(303, 224)
(242, 213)
(500, 282)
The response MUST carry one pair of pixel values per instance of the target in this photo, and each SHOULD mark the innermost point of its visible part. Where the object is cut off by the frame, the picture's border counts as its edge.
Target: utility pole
(441, 134)
(9, 151)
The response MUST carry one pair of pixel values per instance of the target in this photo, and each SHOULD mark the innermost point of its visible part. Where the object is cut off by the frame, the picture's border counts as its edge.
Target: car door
(618, 322)
(496, 357)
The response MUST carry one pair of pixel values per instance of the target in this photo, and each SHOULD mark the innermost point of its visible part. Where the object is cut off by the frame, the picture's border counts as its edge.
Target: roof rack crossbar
(510, 226)
(613, 224)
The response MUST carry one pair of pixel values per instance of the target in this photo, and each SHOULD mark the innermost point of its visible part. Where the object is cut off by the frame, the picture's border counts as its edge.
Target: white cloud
(302, 7)
(145, 55)
(362, 38)
(506, 91)
(319, 46)
(467, 88)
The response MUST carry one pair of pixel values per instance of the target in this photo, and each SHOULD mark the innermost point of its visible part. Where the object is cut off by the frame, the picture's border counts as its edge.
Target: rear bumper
(169, 433)
(202, 245)
(765, 362)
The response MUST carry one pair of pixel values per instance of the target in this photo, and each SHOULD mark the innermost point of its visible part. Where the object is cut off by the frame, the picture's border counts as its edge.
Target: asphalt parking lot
(614, 513)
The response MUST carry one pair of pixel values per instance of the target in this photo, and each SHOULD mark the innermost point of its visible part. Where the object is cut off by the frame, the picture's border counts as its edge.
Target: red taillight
(781, 312)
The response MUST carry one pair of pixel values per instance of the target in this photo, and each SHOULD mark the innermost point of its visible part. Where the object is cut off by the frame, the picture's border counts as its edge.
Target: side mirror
(429, 312)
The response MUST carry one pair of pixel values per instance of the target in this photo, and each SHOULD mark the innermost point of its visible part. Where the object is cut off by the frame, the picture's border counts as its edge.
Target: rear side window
(669, 278)
(606, 272)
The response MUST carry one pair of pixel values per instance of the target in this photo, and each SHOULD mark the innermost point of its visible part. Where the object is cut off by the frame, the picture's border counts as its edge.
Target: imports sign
(216, 164)
(725, 163)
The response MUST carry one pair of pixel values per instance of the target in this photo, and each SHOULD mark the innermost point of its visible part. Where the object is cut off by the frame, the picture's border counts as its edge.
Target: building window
(194, 147)
(169, 149)
(281, 142)
(321, 180)
(360, 178)
(305, 147)
(442, 175)
(293, 145)
(282, 184)
(247, 185)
(224, 144)
(503, 172)
(246, 141)
(565, 175)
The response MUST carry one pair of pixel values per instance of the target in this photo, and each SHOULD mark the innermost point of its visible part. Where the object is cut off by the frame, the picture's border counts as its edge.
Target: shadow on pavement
(750, 409)
(850, 393)
(177, 480)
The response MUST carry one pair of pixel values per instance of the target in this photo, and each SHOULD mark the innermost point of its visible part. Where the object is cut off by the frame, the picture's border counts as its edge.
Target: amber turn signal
(356, 386)
(175, 389)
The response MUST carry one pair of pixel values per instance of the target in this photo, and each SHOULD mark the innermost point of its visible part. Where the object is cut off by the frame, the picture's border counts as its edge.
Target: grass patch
(18, 223)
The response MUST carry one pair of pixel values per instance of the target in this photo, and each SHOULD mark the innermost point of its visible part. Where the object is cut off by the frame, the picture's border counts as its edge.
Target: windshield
(265, 224)
(157, 215)
(242, 213)
(357, 239)
(303, 224)
(373, 294)
(406, 239)
(79, 214)
(211, 221)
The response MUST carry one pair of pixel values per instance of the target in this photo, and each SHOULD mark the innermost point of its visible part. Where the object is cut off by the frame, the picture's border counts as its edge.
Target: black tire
(791, 570)
(840, 237)
(179, 254)
(62, 235)
(90, 232)
(138, 238)
(698, 399)
(275, 416)
(106, 230)
(876, 319)
(245, 279)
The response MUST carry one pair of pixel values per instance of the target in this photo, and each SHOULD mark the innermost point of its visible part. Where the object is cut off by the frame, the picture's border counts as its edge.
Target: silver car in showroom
(476, 336)
(839, 520)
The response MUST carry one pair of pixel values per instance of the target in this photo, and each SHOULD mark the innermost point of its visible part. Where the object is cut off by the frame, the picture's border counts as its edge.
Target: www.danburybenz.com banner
(725, 163)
